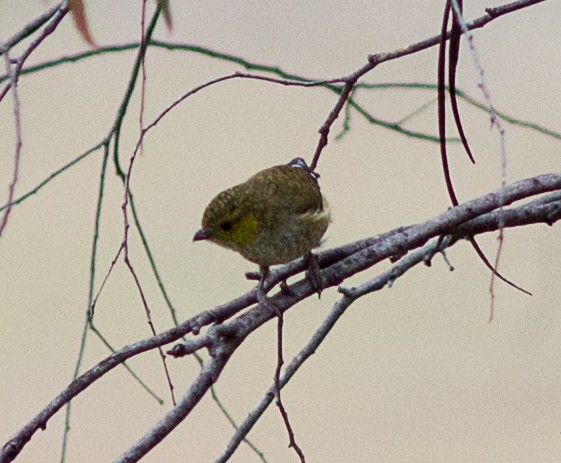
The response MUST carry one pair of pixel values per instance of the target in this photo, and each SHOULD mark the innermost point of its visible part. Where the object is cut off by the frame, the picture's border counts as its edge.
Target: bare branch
(222, 329)
(208, 375)
(378, 58)
(337, 265)
(18, 137)
(33, 25)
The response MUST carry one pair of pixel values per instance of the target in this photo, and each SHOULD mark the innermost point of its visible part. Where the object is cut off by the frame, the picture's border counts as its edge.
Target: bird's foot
(313, 273)
(285, 289)
(255, 276)
(262, 298)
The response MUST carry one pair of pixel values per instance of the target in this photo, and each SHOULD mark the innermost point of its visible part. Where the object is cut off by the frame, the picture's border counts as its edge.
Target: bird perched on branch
(274, 217)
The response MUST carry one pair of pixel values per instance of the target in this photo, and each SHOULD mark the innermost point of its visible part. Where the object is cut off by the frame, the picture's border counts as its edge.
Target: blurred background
(414, 373)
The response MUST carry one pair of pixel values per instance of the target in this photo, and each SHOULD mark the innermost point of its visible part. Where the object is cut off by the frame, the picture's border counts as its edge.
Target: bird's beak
(202, 234)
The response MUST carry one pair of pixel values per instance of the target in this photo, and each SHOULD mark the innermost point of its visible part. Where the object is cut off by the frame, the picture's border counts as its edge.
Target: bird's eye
(226, 226)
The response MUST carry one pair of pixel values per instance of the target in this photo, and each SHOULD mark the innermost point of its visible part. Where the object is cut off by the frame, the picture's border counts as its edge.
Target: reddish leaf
(79, 14)
(167, 13)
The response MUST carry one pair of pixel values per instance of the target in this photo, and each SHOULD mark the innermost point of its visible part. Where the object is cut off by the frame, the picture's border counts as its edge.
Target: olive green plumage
(277, 215)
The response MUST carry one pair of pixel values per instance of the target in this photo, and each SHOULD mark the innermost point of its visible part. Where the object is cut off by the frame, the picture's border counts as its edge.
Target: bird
(276, 216)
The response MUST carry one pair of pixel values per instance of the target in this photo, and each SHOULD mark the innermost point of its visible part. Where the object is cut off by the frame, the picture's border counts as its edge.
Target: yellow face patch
(244, 230)
(239, 232)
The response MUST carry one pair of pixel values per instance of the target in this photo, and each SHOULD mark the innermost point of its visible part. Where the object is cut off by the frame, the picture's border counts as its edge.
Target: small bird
(276, 216)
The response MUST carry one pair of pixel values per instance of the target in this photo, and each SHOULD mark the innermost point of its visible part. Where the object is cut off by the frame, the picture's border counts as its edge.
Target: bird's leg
(262, 295)
(264, 271)
(257, 277)
(312, 272)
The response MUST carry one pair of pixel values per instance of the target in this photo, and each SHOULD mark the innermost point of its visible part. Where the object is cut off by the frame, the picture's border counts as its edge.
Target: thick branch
(338, 264)
(208, 375)
(546, 210)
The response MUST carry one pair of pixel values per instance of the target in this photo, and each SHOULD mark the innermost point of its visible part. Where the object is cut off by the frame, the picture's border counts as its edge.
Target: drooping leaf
(454, 52)
(166, 10)
(78, 10)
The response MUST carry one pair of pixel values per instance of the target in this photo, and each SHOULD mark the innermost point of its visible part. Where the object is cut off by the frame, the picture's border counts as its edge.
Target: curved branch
(546, 210)
(337, 265)
(378, 58)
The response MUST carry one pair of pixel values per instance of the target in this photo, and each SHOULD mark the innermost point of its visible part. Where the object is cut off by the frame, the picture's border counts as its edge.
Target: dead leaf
(78, 10)
(167, 13)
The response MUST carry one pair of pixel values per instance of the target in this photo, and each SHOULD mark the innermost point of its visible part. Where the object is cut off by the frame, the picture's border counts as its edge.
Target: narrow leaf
(78, 10)
(454, 53)
(166, 10)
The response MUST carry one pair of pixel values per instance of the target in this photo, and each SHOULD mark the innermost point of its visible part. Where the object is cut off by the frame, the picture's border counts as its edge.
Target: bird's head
(227, 221)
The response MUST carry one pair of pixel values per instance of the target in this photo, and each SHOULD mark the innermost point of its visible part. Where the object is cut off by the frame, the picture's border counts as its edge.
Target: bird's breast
(290, 237)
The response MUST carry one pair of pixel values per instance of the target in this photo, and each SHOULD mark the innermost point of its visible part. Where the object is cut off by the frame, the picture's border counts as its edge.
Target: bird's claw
(285, 289)
(313, 273)
(253, 276)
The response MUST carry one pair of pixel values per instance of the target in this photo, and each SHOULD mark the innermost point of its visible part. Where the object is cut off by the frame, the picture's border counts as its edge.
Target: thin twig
(351, 259)
(48, 30)
(495, 122)
(280, 361)
(378, 58)
(33, 25)
(18, 137)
